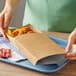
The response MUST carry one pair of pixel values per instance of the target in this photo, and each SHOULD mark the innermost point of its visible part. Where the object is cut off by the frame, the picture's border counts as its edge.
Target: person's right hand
(5, 19)
(71, 45)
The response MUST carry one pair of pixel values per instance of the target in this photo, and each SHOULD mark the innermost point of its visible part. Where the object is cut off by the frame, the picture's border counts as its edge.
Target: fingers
(1, 20)
(69, 45)
(72, 55)
(7, 20)
(2, 30)
(71, 40)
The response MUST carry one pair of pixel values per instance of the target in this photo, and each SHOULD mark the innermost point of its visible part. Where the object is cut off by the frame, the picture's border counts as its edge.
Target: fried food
(19, 31)
(9, 32)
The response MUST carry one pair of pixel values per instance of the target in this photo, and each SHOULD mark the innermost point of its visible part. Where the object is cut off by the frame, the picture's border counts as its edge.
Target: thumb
(69, 45)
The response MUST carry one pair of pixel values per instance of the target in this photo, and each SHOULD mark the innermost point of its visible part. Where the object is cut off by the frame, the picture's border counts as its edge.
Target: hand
(5, 19)
(71, 44)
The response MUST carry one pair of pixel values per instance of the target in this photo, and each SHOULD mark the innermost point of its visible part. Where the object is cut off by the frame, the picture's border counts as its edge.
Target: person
(46, 15)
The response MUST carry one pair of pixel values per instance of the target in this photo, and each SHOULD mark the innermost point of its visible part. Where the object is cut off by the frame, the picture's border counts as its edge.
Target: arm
(6, 15)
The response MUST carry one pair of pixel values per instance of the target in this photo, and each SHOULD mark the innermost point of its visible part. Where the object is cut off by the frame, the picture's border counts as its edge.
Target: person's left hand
(71, 44)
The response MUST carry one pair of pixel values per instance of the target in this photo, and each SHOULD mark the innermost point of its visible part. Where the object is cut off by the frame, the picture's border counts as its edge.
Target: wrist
(11, 4)
(9, 7)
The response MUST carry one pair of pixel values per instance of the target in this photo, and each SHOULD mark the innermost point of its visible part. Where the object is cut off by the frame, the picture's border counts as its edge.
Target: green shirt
(51, 15)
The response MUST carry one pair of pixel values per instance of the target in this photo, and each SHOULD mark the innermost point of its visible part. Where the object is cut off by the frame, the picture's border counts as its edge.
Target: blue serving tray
(40, 68)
